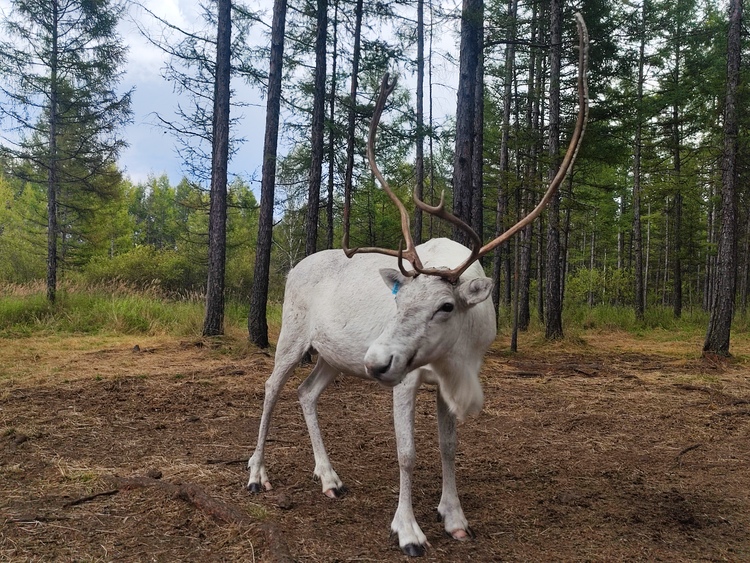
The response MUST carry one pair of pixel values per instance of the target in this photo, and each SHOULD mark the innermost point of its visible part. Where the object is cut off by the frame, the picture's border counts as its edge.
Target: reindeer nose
(378, 370)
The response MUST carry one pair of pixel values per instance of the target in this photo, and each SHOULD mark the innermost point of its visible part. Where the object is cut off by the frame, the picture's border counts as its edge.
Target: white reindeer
(432, 324)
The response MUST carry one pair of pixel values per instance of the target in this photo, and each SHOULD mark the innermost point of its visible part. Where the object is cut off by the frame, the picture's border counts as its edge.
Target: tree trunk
(318, 122)
(745, 266)
(677, 282)
(52, 179)
(419, 160)
(352, 117)
(722, 304)
(477, 156)
(640, 297)
(677, 162)
(471, 23)
(553, 319)
(331, 136)
(257, 323)
(502, 251)
(213, 323)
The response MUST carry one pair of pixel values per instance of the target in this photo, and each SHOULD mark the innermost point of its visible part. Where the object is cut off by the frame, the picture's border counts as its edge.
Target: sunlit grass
(116, 309)
(25, 311)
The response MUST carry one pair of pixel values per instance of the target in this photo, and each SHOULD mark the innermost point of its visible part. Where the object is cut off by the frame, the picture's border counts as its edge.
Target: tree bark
(640, 293)
(331, 136)
(352, 117)
(553, 324)
(213, 323)
(318, 123)
(52, 179)
(477, 155)
(471, 22)
(529, 183)
(257, 323)
(419, 159)
(501, 252)
(722, 305)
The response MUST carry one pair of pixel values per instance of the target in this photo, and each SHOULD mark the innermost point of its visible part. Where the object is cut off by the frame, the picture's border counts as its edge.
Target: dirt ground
(581, 454)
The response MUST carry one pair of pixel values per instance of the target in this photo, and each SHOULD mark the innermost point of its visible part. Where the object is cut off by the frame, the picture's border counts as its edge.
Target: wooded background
(653, 215)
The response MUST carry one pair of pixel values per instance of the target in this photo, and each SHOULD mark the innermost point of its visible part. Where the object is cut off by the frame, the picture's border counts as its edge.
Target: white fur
(358, 325)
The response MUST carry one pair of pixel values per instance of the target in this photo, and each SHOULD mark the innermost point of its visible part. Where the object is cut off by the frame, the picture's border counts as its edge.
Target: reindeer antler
(410, 253)
(439, 210)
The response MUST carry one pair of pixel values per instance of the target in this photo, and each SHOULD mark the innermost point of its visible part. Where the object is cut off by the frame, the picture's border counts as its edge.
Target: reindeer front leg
(449, 509)
(411, 539)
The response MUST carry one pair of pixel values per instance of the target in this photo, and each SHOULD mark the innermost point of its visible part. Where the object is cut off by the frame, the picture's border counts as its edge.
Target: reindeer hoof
(256, 488)
(413, 550)
(462, 535)
(337, 492)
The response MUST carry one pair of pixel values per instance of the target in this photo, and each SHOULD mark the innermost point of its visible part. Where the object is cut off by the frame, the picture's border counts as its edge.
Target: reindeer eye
(446, 307)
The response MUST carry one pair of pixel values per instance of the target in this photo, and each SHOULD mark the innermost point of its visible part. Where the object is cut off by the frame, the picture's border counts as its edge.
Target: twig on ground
(90, 497)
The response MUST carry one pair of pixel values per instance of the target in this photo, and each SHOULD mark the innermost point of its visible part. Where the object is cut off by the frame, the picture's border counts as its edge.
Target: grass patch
(107, 310)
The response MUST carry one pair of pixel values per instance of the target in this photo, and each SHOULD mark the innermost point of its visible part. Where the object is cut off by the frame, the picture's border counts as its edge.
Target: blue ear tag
(396, 287)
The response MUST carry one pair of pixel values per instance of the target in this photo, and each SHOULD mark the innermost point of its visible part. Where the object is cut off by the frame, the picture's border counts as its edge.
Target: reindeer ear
(393, 279)
(475, 291)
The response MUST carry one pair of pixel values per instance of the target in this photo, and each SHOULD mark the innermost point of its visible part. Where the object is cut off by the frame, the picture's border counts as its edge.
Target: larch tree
(464, 159)
(501, 256)
(722, 302)
(553, 293)
(639, 280)
(257, 322)
(352, 114)
(419, 158)
(61, 63)
(213, 323)
(317, 130)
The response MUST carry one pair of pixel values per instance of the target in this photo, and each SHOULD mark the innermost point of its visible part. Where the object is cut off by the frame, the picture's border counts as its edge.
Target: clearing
(617, 449)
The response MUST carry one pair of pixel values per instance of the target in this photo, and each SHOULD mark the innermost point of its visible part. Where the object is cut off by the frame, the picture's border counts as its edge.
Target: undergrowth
(116, 308)
(110, 309)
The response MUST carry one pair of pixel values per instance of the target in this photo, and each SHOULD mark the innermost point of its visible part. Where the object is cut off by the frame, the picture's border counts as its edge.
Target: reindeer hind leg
(289, 352)
(309, 392)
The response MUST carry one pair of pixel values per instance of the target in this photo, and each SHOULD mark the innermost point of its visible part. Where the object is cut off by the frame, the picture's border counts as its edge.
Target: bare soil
(587, 454)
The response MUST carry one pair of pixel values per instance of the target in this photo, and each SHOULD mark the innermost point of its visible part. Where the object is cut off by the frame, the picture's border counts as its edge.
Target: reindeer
(429, 324)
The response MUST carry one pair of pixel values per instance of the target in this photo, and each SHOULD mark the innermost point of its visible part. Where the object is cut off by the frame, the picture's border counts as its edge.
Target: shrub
(146, 266)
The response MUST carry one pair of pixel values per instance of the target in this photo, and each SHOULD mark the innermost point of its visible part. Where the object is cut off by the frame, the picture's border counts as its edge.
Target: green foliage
(609, 318)
(146, 266)
(596, 286)
(20, 236)
(112, 309)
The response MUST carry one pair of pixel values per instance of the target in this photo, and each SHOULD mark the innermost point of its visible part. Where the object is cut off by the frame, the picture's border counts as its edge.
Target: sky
(152, 150)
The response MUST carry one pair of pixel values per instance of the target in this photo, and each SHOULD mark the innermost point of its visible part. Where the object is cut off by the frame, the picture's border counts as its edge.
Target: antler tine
(410, 253)
(440, 212)
(565, 166)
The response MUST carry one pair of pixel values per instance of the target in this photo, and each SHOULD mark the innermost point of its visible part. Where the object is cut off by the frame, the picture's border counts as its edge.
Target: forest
(651, 221)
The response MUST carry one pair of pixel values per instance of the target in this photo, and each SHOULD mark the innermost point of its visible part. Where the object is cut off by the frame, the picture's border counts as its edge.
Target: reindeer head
(431, 315)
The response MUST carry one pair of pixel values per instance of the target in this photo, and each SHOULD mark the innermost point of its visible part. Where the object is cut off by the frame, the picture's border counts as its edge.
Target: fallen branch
(277, 550)
(686, 450)
(689, 387)
(226, 461)
(90, 498)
